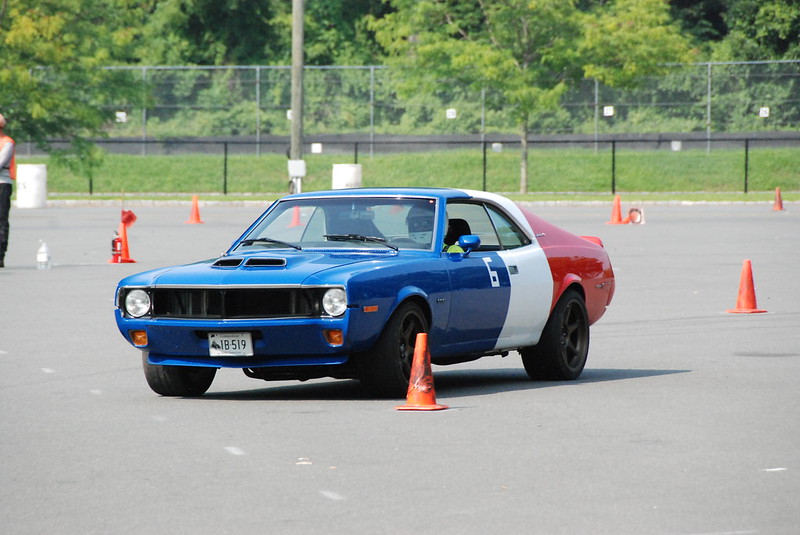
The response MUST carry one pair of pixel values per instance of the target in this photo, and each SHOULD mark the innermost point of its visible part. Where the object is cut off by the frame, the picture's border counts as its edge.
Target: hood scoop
(265, 262)
(249, 262)
(227, 263)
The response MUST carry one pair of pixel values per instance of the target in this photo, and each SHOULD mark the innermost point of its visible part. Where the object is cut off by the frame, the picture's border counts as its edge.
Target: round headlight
(334, 302)
(137, 303)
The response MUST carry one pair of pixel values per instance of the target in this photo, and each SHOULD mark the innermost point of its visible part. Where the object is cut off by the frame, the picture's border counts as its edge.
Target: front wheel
(384, 371)
(177, 380)
(561, 352)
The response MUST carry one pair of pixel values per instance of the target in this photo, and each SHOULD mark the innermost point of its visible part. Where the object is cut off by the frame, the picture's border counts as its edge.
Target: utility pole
(297, 166)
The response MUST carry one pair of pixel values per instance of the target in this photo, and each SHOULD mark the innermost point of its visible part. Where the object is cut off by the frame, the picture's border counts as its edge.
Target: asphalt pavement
(685, 421)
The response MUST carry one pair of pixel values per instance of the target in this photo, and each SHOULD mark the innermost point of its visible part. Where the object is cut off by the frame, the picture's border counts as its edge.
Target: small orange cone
(421, 394)
(778, 206)
(746, 302)
(616, 214)
(195, 217)
(125, 257)
(295, 217)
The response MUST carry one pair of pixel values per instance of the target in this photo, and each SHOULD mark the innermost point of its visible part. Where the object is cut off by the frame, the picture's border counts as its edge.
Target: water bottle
(43, 256)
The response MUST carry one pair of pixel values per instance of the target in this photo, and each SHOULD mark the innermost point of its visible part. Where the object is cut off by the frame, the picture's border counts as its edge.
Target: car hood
(273, 269)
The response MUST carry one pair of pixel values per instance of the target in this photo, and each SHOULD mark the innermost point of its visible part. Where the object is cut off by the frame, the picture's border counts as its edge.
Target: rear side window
(510, 235)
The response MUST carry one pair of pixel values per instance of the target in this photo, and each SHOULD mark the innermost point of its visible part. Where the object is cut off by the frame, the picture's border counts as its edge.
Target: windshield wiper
(270, 240)
(360, 237)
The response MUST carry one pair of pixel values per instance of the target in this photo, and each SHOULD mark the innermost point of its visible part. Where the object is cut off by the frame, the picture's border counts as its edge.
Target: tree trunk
(523, 164)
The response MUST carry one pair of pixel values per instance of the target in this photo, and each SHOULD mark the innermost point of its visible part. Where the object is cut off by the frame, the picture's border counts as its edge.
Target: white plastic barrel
(31, 185)
(346, 175)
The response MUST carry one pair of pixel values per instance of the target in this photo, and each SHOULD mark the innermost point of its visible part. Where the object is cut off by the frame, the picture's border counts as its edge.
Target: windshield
(347, 223)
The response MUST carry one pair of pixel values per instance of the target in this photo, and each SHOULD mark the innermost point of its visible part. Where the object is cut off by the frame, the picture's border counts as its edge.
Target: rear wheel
(561, 352)
(177, 380)
(384, 371)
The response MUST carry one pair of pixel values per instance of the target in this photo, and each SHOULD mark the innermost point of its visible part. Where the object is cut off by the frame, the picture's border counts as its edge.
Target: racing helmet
(420, 220)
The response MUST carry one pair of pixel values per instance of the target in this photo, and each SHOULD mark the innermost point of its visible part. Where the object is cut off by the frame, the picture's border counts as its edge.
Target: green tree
(702, 19)
(626, 40)
(760, 30)
(524, 50)
(209, 32)
(336, 31)
(242, 32)
(529, 51)
(52, 84)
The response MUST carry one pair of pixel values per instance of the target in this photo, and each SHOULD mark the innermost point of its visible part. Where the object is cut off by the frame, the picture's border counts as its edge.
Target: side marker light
(333, 336)
(139, 338)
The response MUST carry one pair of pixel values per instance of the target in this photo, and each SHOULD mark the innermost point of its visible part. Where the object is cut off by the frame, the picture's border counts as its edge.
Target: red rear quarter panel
(575, 260)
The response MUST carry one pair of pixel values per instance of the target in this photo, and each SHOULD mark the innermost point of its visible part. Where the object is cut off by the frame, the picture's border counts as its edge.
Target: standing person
(8, 173)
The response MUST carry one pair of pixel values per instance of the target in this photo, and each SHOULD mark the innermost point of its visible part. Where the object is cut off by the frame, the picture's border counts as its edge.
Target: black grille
(236, 302)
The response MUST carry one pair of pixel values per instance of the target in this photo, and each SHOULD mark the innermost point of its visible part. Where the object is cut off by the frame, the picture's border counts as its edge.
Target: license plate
(230, 345)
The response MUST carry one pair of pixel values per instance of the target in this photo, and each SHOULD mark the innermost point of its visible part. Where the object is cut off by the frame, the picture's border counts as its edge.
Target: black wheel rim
(573, 336)
(407, 339)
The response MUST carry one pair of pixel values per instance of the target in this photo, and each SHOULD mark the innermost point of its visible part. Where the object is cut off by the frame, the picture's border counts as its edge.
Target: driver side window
(495, 229)
(479, 223)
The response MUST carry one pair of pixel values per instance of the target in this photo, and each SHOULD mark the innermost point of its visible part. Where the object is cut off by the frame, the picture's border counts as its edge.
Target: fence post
(596, 113)
(484, 164)
(258, 111)
(746, 162)
(613, 166)
(355, 151)
(144, 114)
(708, 109)
(371, 111)
(225, 169)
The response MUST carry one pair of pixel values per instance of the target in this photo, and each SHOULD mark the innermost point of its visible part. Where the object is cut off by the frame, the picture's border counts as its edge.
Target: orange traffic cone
(616, 214)
(746, 302)
(195, 217)
(125, 257)
(778, 206)
(421, 394)
(295, 217)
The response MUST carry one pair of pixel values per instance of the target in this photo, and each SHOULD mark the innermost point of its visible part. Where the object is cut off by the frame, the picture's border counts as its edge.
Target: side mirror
(469, 242)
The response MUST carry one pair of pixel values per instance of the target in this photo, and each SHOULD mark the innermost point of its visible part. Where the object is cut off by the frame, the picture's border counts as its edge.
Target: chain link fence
(254, 103)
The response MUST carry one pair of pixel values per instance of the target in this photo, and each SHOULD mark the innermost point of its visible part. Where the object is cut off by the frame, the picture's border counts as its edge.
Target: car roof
(442, 193)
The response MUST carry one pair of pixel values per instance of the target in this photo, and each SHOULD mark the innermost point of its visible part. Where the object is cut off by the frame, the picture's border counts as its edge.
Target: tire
(384, 371)
(561, 352)
(186, 381)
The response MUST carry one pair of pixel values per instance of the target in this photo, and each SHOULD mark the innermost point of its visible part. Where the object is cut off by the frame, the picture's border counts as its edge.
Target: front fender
(408, 292)
(370, 313)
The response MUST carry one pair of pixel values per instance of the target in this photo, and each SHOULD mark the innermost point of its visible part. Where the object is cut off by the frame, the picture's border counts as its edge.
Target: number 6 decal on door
(492, 273)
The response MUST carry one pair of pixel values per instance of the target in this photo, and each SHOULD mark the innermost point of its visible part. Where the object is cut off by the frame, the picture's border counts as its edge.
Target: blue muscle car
(339, 283)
